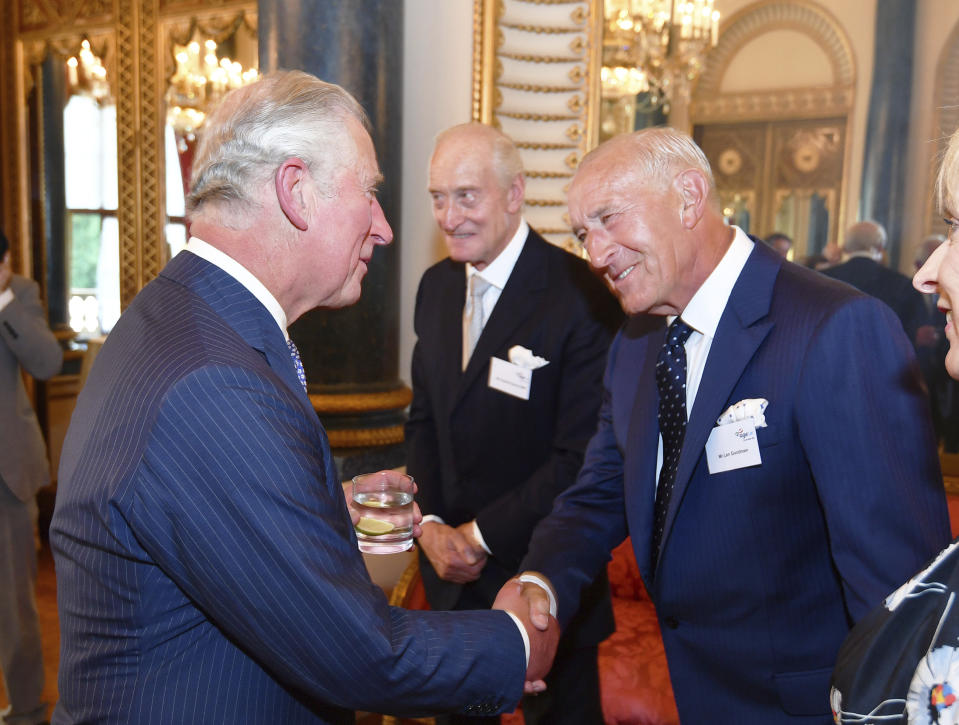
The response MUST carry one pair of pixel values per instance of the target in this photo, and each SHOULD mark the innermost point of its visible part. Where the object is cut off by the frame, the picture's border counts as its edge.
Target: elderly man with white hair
(207, 566)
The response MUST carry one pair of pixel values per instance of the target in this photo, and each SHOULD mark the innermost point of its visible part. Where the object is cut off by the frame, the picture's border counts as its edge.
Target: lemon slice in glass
(373, 527)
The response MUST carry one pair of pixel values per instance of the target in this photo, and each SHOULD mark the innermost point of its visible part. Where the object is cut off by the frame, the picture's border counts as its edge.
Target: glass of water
(384, 501)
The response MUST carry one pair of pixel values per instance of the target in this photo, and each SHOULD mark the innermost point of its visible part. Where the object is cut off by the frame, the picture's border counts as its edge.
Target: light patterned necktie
(297, 363)
(474, 315)
(671, 382)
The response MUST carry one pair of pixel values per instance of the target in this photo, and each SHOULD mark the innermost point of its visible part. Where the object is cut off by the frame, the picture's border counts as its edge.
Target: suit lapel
(243, 312)
(742, 329)
(516, 303)
(449, 300)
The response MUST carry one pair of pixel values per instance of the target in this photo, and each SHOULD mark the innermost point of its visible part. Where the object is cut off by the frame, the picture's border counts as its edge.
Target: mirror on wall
(204, 57)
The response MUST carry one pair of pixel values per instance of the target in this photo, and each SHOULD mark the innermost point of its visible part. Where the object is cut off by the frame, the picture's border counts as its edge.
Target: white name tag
(509, 378)
(732, 446)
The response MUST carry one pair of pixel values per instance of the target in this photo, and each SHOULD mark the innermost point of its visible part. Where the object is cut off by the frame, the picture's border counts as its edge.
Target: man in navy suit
(770, 453)
(207, 567)
(490, 442)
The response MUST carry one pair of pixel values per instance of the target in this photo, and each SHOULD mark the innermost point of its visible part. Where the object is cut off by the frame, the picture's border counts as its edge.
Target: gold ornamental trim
(534, 88)
(546, 202)
(541, 29)
(548, 174)
(538, 116)
(533, 146)
(542, 58)
(364, 437)
(334, 403)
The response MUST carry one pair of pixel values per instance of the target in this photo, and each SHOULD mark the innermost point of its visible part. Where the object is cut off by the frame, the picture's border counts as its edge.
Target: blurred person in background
(26, 344)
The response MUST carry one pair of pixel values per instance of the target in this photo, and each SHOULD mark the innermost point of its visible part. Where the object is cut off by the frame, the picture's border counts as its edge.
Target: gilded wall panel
(534, 77)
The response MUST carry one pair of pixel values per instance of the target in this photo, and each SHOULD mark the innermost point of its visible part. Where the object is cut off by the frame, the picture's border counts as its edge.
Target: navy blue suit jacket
(762, 570)
(207, 567)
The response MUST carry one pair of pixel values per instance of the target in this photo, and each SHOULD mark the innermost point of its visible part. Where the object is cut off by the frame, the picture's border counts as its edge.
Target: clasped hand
(530, 603)
(455, 555)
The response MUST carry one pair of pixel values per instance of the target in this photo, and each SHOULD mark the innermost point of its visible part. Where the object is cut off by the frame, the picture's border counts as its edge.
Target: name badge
(509, 378)
(732, 446)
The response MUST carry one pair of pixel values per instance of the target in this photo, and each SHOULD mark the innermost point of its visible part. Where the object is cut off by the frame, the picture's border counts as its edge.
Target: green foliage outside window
(85, 250)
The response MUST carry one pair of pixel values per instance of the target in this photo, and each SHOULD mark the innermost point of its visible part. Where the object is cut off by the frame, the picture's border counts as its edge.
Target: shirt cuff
(6, 297)
(478, 535)
(432, 519)
(522, 631)
(541, 583)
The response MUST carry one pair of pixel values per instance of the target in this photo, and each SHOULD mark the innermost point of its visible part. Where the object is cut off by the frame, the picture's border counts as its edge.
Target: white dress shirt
(703, 314)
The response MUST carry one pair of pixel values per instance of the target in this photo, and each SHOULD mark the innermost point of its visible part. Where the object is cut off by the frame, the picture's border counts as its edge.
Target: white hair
(256, 128)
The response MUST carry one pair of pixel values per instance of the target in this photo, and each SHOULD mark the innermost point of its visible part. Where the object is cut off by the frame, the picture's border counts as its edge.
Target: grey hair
(655, 155)
(256, 128)
(507, 162)
(867, 236)
(949, 176)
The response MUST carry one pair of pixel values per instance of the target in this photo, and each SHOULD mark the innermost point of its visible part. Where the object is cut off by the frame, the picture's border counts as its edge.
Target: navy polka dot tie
(671, 381)
(297, 363)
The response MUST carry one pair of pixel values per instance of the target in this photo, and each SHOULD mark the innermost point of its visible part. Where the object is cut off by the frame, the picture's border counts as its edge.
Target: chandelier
(86, 75)
(201, 79)
(656, 48)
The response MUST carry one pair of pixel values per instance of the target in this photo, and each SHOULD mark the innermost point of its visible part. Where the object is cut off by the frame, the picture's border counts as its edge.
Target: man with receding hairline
(763, 440)
(506, 386)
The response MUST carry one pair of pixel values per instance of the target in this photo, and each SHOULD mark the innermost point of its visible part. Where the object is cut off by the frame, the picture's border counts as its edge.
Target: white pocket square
(749, 408)
(524, 357)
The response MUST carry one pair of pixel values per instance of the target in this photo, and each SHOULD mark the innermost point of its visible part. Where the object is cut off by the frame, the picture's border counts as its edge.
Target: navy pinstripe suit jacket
(206, 562)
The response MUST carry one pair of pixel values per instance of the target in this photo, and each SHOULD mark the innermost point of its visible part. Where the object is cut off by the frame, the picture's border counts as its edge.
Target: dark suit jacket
(207, 567)
(25, 342)
(479, 453)
(763, 569)
(886, 284)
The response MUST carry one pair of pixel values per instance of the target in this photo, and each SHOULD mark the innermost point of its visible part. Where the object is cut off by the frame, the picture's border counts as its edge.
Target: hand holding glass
(384, 501)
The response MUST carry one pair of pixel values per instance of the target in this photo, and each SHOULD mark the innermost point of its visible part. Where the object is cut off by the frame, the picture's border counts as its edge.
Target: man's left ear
(290, 182)
(515, 194)
(694, 190)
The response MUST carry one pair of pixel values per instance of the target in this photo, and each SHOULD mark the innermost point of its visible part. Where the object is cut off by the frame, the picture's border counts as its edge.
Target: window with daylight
(90, 164)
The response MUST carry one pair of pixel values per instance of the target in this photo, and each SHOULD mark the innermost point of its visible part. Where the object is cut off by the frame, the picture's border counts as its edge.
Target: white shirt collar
(865, 254)
(707, 305)
(242, 275)
(498, 271)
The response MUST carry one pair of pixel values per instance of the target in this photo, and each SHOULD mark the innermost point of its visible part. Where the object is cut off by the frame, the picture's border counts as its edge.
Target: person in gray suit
(25, 341)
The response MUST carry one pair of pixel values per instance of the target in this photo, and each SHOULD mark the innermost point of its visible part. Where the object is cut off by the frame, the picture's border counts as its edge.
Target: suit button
(671, 622)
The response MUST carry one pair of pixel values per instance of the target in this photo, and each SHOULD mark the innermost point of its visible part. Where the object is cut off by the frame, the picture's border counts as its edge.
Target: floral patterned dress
(900, 664)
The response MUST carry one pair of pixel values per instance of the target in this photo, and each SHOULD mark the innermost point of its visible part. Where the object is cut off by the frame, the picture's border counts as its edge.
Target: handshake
(529, 603)
(458, 557)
